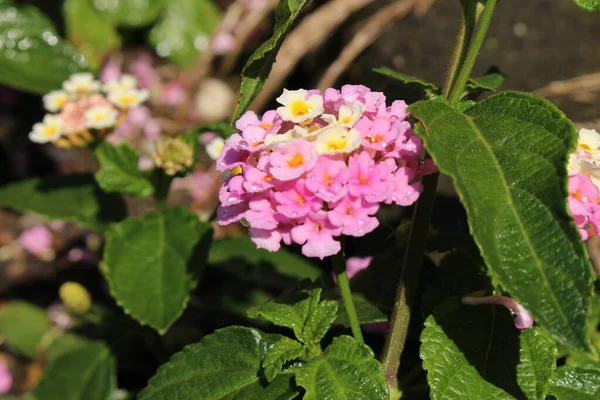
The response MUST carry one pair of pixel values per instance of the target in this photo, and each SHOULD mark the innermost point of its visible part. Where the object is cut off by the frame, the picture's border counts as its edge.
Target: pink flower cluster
(318, 167)
(583, 201)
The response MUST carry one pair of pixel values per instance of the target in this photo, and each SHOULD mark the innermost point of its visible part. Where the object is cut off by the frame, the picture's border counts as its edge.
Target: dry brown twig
(371, 31)
(575, 87)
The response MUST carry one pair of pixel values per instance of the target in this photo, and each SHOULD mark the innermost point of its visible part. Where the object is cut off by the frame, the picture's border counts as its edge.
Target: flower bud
(173, 155)
(75, 297)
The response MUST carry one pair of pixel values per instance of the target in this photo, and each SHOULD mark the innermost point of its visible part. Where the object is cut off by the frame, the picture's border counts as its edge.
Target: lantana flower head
(319, 167)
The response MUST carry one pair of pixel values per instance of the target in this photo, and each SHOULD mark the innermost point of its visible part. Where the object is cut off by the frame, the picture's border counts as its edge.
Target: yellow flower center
(338, 143)
(295, 161)
(266, 126)
(50, 130)
(127, 100)
(345, 120)
(98, 117)
(299, 108)
(584, 146)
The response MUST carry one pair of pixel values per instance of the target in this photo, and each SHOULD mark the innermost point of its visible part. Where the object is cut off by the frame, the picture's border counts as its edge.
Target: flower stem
(162, 187)
(339, 266)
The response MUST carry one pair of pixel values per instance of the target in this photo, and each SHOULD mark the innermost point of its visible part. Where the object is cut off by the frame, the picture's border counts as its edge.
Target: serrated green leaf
(154, 262)
(507, 156)
(489, 82)
(285, 350)
(367, 312)
(75, 198)
(259, 64)
(570, 383)
(241, 247)
(89, 31)
(32, 56)
(537, 363)
(119, 171)
(347, 370)
(303, 312)
(130, 13)
(183, 30)
(474, 352)
(86, 373)
(23, 325)
(223, 366)
(588, 5)
(63, 344)
(399, 78)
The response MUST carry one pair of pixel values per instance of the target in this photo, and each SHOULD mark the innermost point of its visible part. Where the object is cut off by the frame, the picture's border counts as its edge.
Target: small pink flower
(73, 116)
(523, 319)
(229, 214)
(232, 192)
(235, 153)
(295, 202)
(367, 180)
(6, 379)
(257, 181)
(328, 179)
(356, 264)
(173, 93)
(380, 135)
(37, 240)
(111, 72)
(144, 71)
(223, 43)
(261, 214)
(401, 191)
(316, 235)
(354, 216)
(583, 205)
(292, 159)
(266, 239)
(152, 129)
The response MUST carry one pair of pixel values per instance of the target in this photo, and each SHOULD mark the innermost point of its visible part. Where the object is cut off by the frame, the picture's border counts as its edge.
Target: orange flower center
(577, 195)
(296, 161)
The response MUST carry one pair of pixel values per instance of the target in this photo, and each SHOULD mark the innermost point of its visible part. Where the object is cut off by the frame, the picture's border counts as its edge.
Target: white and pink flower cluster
(584, 181)
(318, 167)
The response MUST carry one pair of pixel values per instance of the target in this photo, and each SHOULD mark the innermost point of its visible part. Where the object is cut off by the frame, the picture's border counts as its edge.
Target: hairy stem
(339, 266)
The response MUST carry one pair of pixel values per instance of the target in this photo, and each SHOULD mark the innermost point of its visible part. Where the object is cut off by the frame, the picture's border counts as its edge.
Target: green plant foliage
(285, 350)
(241, 247)
(570, 383)
(74, 198)
(303, 312)
(119, 171)
(474, 352)
(490, 83)
(130, 13)
(224, 365)
(183, 30)
(347, 370)
(89, 31)
(507, 156)
(429, 89)
(366, 311)
(588, 5)
(153, 263)
(259, 64)
(32, 56)
(23, 325)
(63, 344)
(87, 372)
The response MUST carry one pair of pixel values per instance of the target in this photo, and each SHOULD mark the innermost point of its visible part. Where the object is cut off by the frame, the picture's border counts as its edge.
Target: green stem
(339, 266)
(162, 187)
(458, 56)
(467, 67)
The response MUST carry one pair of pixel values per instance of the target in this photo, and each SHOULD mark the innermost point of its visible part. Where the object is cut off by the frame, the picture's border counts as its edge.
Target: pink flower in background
(255, 4)
(356, 264)
(318, 167)
(223, 43)
(144, 71)
(37, 240)
(111, 72)
(173, 93)
(6, 379)
(523, 318)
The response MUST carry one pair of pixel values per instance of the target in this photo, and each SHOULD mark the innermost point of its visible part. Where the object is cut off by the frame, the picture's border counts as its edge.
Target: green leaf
(303, 312)
(347, 370)
(74, 198)
(490, 83)
(86, 373)
(259, 64)
(63, 344)
(223, 366)
(474, 352)
(32, 56)
(366, 311)
(23, 325)
(241, 247)
(285, 350)
(588, 5)
(575, 384)
(537, 362)
(130, 13)
(89, 31)
(183, 30)
(153, 263)
(398, 78)
(507, 157)
(119, 171)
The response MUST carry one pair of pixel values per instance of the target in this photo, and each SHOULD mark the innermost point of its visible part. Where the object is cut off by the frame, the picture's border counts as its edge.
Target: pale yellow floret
(128, 98)
(215, 147)
(296, 108)
(349, 115)
(337, 139)
(48, 130)
(55, 100)
(101, 117)
(275, 139)
(126, 82)
(81, 85)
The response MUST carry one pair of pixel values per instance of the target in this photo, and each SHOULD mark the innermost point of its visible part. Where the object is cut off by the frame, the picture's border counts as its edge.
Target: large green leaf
(507, 157)
(89, 31)
(75, 198)
(427, 88)
(223, 366)
(588, 5)
(241, 247)
(475, 352)
(259, 64)
(32, 55)
(128, 13)
(153, 263)
(184, 29)
(87, 372)
(570, 383)
(285, 350)
(23, 325)
(119, 171)
(347, 370)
